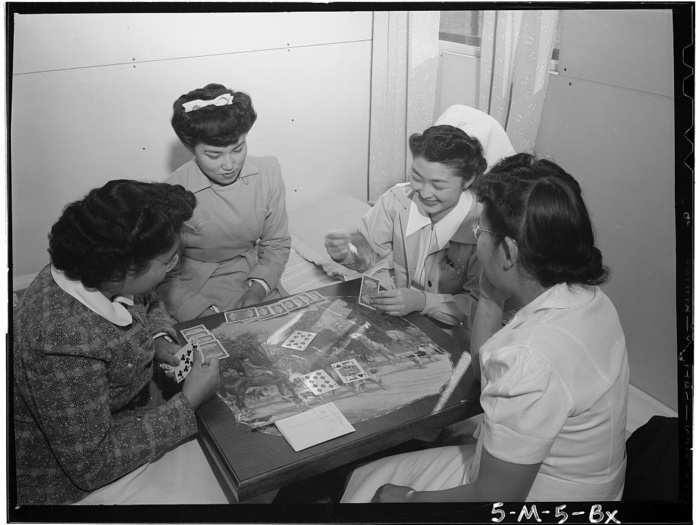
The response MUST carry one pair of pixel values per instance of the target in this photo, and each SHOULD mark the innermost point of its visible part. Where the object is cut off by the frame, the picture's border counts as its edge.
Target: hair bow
(222, 100)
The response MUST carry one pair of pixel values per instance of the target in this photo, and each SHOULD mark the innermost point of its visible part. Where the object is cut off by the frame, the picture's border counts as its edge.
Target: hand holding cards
(202, 381)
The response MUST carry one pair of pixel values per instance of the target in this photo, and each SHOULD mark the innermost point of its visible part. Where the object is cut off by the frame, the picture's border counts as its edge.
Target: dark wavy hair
(450, 146)
(214, 125)
(118, 228)
(539, 205)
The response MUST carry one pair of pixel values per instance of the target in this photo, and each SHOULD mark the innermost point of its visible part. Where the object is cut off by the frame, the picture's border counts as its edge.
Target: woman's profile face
(437, 186)
(487, 250)
(153, 275)
(221, 164)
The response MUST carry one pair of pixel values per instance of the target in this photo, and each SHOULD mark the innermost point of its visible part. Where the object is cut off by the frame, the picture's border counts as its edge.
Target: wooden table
(249, 463)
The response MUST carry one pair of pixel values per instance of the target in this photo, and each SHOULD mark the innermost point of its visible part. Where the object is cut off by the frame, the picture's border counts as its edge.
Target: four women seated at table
(553, 380)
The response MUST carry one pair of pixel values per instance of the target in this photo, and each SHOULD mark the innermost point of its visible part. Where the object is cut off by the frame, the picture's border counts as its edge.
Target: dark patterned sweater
(74, 374)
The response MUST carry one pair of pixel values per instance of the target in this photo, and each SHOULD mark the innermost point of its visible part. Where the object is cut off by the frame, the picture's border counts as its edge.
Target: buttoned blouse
(554, 391)
(450, 269)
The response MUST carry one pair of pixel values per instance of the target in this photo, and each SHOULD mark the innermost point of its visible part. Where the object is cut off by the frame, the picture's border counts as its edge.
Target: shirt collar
(200, 181)
(558, 297)
(113, 311)
(446, 227)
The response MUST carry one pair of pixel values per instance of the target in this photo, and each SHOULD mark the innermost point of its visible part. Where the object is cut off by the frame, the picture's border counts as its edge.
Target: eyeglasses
(172, 262)
(477, 229)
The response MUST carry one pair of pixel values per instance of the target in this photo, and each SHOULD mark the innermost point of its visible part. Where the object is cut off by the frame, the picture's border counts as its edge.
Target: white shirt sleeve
(525, 404)
(377, 226)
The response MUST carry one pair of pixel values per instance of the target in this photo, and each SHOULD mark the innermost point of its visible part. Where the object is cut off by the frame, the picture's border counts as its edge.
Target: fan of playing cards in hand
(207, 345)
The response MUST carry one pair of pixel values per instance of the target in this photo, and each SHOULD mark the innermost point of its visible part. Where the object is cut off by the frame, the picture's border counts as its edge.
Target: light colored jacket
(452, 273)
(237, 232)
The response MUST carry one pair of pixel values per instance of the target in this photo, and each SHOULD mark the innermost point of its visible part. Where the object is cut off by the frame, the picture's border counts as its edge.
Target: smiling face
(221, 164)
(437, 187)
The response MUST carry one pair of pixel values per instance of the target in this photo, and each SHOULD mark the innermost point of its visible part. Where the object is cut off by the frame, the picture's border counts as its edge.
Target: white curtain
(516, 48)
(405, 59)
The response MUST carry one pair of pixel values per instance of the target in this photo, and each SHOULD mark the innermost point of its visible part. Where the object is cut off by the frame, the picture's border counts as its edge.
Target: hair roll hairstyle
(213, 125)
(118, 228)
(450, 146)
(539, 205)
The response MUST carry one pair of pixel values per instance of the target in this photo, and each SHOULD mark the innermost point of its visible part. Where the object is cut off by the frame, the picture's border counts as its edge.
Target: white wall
(608, 119)
(92, 98)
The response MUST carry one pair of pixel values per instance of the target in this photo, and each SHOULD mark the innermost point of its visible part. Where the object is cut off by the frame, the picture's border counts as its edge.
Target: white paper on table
(314, 426)
(460, 368)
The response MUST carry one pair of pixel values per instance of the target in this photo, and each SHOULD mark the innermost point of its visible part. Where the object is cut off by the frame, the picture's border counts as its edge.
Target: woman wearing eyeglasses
(553, 380)
(85, 337)
(426, 225)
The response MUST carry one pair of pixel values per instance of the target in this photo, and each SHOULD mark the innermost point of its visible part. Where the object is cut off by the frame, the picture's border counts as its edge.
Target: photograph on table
(366, 362)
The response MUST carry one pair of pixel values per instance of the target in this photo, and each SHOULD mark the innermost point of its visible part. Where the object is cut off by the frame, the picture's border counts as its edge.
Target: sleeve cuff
(262, 283)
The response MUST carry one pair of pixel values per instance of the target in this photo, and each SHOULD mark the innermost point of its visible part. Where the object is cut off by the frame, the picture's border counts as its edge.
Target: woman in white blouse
(553, 380)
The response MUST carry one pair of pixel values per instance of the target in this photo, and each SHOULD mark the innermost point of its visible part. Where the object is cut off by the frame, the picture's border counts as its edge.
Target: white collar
(446, 227)
(112, 311)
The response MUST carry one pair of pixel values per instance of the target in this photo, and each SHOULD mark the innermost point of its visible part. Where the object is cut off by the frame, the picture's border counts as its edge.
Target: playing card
(202, 339)
(186, 359)
(349, 370)
(319, 382)
(298, 301)
(237, 316)
(368, 289)
(213, 349)
(299, 340)
(264, 312)
(303, 298)
(289, 305)
(316, 296)
(188, 333)
(277, 309)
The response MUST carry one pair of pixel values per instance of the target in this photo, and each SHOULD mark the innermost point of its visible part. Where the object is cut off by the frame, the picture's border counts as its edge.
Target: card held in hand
(186, 358)
(368, 289)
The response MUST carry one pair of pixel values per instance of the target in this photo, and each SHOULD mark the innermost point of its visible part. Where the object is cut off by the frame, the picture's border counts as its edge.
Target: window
(460, 31)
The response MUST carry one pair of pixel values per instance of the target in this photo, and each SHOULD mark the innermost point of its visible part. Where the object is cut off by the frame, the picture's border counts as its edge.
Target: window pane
(463, 27)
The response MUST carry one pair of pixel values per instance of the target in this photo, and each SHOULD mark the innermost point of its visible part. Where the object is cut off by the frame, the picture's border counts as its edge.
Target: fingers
(172, 360)
(199, 359)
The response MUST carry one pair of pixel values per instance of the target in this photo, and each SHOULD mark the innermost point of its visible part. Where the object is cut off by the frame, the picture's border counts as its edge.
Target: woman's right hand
(203, 380)
(338, 244)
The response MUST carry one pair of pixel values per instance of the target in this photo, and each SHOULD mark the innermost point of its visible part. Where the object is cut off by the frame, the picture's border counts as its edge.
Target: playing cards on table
(299, 340)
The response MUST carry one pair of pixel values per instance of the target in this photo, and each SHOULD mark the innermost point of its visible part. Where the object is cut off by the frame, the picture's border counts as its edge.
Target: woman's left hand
(399, 301)
(255, 294)
(393, 494)
(166, 350)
